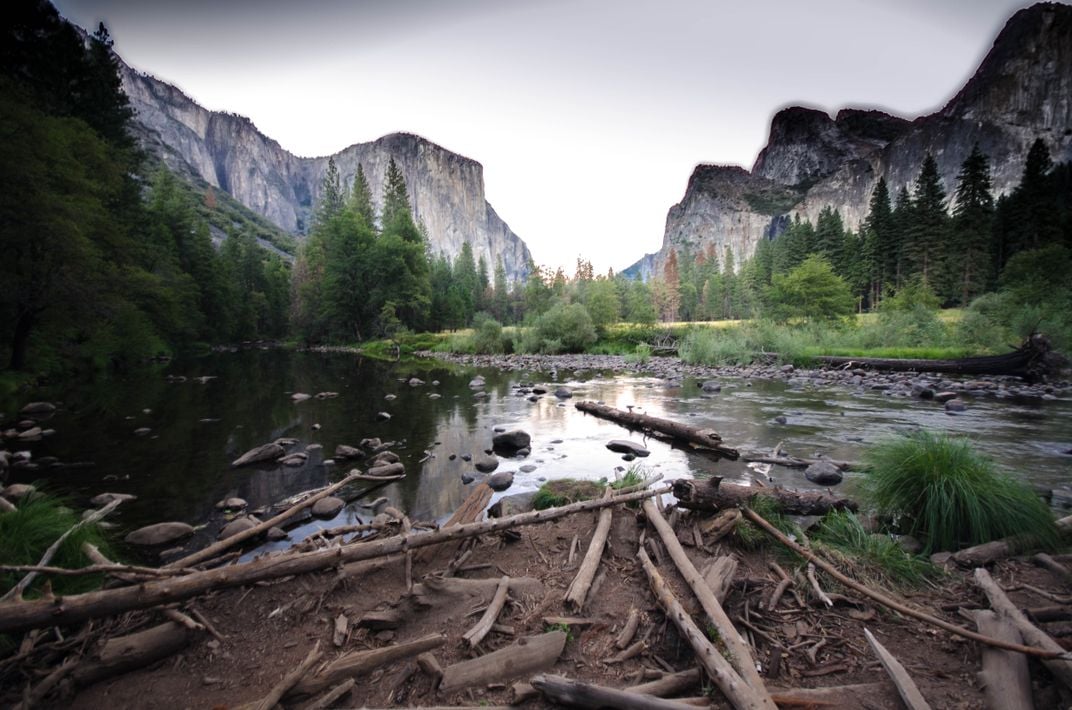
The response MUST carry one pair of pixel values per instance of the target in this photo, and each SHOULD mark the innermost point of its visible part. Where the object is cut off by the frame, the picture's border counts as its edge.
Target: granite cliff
(1021, 91)
(228, 152)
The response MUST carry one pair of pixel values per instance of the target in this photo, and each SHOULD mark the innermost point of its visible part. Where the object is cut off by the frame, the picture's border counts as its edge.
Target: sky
(587, 115)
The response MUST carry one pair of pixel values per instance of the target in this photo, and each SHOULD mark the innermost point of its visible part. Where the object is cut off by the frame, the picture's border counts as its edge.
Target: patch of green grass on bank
(901, 353)
(37, 522)
(564, 491)
(404, 344)
(871, 558)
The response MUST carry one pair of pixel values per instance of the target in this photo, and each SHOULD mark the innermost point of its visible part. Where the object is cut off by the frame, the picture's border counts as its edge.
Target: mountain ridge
(230, 153)
(1020, 91)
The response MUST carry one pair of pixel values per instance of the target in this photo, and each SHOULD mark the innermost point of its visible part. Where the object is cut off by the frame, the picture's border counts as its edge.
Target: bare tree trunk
(704, 438)
(716, 494)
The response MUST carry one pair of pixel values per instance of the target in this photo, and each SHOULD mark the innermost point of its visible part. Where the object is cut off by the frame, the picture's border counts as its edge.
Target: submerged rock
(485, 463)
(563, 392)
(159, 534)
(955, 405)
(300, 397)
(342, 451)
(711, 386)
(104, 499)
(231, 504)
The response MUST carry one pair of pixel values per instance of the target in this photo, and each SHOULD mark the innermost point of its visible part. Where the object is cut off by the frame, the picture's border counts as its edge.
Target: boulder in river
(300, 397)
(476, 383)
(501, 481)
(485, 463)
(823, 473)
(264, 452)
(510, 441)
(383, 458)
(415, 382)
(328, 507)
(246, 522)
(563, 393)
(342, 451)
(294, 460)
(711, 386)
(955, 405)
(18, 490)
(387, 469)
(231, 504)
(624, 446)
(275, 534)
(383, 416)
(32, 434)
(143, 431)
(38, 408)
(159, 534)
(512, 505)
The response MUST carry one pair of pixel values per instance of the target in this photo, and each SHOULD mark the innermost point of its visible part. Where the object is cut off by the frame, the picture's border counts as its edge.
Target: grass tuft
(27, 531)
(564, 491)
(949, 496)
(871, 558)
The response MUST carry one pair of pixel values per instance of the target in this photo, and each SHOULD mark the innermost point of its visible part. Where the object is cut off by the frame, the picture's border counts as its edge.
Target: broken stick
(578, 589)
(906, 687)
(586, 695)
(476, 634)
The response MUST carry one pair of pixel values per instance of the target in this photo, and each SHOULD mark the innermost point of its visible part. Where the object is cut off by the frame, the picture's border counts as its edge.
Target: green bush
(811, 291)
(563, 328)
(942, 491)
(564, 491)
(27, 531)
(488, 336)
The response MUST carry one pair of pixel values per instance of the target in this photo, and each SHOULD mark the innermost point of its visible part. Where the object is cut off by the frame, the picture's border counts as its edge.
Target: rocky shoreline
(674, 371)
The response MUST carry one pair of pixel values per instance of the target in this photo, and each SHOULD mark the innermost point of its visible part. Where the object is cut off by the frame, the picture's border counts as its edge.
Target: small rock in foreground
(328, 507)
(823, 473)
(624, 446)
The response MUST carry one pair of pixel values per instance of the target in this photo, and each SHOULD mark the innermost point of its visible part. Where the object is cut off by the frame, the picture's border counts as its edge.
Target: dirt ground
(269, 628)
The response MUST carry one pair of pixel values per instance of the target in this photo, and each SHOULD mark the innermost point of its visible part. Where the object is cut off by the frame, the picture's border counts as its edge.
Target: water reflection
(198, 426)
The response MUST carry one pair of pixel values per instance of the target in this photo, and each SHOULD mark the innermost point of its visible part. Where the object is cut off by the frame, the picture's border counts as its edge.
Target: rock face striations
(1020, 92)
(228, 152)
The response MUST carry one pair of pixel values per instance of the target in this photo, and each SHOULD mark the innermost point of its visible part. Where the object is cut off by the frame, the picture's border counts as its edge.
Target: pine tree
(672, 288)
(973, 224)
(928, 231)
(396, 205)
(830, 238)
(900, 224)
(331, 193)
(361, 198)
(880, 249)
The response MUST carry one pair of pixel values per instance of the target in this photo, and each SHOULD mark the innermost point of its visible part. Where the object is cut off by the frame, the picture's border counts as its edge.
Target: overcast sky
(587, 115)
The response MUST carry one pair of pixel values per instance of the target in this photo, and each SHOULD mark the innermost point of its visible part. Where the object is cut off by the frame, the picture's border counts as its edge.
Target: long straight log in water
(703, 438)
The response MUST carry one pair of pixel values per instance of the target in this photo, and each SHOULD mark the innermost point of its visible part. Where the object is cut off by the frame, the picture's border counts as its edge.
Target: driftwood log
(59, 611)
(126, 653)
(716, 494)
(669, 684)
(739, 652)
(1033, 360)
(906, 687)
(740, 694)
(521, 658)
(468, 512)
(361, 662)
(1005, 678)
(575, 693)
(990, 552)
(889, 603)
(476, 634)
(578, 589)
(788, 461)
(1033, 635)
(718, 575)
(703, 438)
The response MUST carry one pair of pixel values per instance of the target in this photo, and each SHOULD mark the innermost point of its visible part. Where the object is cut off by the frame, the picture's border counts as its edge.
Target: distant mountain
(1020, 92)
(227, 152)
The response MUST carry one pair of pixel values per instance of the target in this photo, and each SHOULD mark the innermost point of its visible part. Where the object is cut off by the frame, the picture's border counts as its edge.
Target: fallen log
(792, 461)
(632, 623)
(60, 611)
(906, 687)
(990, 552)
(476, 634)
(576, 693)
(1005, 678)
(887, 601)
(1033, 360)
(737, 691)
(328, 699)
(1060, 668)
(521, 658)
(718, 575)
(127, 653)
(361, 662)
(669, 684)
(582, 582)
(716, 494)
(838, 696)
(739, 652)
(703, 438)
(721, 525)
(227, 543)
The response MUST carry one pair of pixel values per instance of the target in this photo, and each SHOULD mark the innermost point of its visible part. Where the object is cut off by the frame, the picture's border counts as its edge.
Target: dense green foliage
(102, 262)
(29, 530)
(948, 495)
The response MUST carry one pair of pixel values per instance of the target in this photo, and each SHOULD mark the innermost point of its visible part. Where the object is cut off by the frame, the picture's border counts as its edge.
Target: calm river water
(181, 468)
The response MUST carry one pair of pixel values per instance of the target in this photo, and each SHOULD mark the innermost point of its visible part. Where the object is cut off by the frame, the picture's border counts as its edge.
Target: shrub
(949, 495)
(811, 291)
(563, 328)
(565, 491)
(488, 338)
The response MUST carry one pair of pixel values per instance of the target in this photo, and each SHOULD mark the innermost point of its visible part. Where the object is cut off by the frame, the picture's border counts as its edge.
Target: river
(202, 413)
